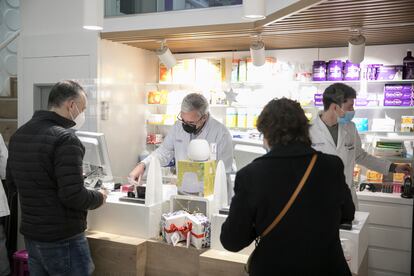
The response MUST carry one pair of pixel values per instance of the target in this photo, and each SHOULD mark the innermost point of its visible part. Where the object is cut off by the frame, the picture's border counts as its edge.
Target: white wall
(53, 46)
(123, 71)
(186, 18)
(9, 23)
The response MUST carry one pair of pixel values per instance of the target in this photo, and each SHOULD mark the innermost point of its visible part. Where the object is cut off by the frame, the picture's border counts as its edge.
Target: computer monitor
(96, 160)
(245, 154)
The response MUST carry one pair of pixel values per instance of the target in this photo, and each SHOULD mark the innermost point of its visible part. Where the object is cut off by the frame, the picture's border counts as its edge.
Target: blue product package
(361, 124)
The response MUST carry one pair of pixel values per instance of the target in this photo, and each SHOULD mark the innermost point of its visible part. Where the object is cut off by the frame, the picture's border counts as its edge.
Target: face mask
(79, 120)
(349, 115)
(192, 129)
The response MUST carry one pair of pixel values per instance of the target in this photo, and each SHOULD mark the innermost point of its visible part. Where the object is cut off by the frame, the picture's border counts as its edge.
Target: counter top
(114, 238)
(384, 197)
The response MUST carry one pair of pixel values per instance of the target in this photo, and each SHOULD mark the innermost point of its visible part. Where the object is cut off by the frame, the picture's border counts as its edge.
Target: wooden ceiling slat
(314, 23)
(330, 4)
(403, 18)
(347, 16)
(359, 9)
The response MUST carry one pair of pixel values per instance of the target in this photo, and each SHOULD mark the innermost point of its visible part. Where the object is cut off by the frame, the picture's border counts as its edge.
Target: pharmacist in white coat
(333, 132)
(4, 211)
(194, 122)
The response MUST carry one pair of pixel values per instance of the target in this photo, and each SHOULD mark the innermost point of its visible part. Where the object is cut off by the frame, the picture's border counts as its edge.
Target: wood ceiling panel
(314, 23)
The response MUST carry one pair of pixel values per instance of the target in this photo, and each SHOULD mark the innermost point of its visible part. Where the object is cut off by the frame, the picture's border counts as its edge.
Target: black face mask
(192, 129)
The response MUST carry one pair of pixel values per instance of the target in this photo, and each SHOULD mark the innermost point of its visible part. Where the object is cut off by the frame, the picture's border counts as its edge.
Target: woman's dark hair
(283, 122)
(62, 92)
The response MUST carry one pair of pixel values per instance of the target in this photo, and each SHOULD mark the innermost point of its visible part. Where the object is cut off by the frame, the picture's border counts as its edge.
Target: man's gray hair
(195, 101)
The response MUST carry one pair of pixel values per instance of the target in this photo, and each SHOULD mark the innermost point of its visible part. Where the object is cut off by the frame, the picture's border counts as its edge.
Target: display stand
(357, 240)
(117, 255)
(125, 218)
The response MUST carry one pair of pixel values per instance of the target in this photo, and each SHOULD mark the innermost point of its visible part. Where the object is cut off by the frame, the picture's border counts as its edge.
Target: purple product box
(334, 70)
(361, 102)
(390, 72)
(405, 95)
(398, 87)
(351, 71)
(372, 71)
(318, 102)
(397, 102)
(318, 97)
(319, 70)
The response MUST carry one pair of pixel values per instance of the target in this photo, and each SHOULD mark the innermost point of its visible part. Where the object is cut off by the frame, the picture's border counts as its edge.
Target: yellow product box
(196, 178)
(373, 176)
(231, 117)
(398, 177)
(357, 173)
(407, 123)
(169, 119)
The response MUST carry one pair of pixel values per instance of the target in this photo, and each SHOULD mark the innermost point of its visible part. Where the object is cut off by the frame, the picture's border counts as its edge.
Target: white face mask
(79, 120)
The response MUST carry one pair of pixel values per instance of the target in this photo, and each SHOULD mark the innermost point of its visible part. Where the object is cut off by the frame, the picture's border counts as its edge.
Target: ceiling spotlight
(254, 9)
(165, 55)
(93, 14)
(257, 51)
(356, 47)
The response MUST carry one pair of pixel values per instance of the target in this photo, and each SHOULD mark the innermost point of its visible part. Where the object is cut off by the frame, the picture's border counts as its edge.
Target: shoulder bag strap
(292, 198)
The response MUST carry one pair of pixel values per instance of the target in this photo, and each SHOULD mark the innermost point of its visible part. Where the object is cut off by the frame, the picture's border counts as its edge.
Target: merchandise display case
(354, 241)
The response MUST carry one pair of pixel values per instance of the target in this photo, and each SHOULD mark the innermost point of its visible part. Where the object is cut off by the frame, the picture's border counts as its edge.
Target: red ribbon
(183, 230)
(197, 236)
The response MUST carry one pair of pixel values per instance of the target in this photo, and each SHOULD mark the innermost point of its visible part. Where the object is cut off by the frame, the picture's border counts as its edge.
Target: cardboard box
(196, 178)
(373, 176)
(8, 108)
(171, 223)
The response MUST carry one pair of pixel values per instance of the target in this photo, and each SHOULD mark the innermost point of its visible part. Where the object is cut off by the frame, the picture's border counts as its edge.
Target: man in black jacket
(45, 167)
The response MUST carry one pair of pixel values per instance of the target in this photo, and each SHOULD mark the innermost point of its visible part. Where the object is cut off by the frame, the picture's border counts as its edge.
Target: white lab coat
(4, 207)
(176, 143)
(348, 149)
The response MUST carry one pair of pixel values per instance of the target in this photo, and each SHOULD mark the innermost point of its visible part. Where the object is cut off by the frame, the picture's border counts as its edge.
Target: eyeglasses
(188, 123)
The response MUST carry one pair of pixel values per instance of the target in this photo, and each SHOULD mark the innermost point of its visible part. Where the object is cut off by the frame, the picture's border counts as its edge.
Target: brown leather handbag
(284, 210)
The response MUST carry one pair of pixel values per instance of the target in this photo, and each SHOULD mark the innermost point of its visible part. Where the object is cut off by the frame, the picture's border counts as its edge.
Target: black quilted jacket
(45, 166)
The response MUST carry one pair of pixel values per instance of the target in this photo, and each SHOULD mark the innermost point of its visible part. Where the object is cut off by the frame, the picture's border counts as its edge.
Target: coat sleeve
(369, 161)
(347, 204)
(3, 158)
(69, 176)
(238, 230)
(225, 149)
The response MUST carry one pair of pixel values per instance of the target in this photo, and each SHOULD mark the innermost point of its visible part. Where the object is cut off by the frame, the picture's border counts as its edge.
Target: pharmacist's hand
(137, 172)
(104, 193)
(403, 168)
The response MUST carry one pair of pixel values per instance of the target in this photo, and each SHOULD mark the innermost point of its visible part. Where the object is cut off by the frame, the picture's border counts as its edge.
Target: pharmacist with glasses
(194, 122)
(333, 132)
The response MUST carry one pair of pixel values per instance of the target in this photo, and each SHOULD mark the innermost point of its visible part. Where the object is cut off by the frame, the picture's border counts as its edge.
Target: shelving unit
(8, 112)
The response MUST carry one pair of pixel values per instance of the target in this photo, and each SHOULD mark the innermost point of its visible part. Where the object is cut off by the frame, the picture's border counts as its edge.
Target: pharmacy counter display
(390, 232)
(126, 218)
(354, 241)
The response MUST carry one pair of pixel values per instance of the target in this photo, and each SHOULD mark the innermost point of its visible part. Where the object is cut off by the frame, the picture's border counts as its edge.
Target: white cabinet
(390, 233)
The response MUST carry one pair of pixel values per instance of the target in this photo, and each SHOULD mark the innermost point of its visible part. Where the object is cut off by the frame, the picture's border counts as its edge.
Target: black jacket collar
(291, 150)
(54, 117)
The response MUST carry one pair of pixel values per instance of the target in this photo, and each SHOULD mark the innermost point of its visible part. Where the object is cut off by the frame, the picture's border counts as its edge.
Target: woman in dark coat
(306, 240)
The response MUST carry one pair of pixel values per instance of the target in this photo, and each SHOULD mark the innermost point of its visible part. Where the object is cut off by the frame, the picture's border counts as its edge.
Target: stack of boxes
(398, 95)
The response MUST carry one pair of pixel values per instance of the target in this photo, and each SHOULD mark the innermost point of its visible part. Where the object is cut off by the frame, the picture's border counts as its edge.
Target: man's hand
(403, 168)
(104, 193)
(137, 172)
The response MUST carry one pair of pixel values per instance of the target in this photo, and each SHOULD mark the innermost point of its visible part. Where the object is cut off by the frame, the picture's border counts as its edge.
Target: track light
(254, 9)
(93, 14)
(165, 55)
(356, 47)
(257, 51)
